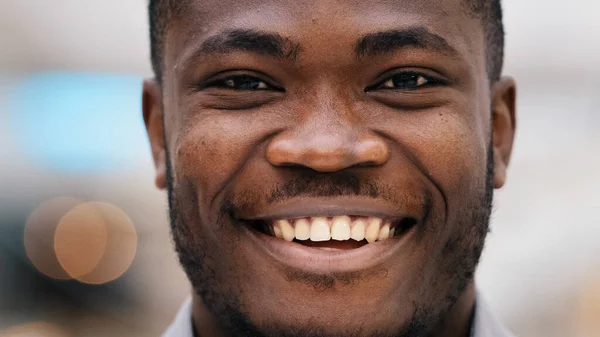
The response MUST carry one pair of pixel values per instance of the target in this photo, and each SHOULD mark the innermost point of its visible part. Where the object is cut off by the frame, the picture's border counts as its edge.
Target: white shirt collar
(182, 325)
(485, 324)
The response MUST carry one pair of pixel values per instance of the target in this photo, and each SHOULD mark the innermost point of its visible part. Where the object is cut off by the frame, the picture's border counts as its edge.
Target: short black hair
(161, 12)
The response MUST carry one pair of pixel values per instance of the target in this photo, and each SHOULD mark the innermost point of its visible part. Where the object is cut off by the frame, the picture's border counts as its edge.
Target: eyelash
(222, 83)
(429, 81)
(264, 86)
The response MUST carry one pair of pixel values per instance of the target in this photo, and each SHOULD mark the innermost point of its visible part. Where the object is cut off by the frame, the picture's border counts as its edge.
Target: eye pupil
(406, 81)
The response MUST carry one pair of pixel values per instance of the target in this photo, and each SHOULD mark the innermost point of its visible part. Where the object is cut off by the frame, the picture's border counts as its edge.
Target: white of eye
(262, 85)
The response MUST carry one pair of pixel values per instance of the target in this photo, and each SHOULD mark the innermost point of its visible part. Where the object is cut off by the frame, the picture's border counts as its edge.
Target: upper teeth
(338, 228)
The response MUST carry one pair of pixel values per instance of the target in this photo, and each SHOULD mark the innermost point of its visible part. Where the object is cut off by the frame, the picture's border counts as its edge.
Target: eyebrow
(389, 41)
(249, 40)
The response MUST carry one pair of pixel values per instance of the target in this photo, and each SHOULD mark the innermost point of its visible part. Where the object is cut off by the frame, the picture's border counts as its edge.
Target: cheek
(453, 150)
(449, 145)
(209, 152)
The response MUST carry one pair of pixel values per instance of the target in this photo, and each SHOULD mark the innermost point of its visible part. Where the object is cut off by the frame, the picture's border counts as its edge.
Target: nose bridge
(328, 138)
(330, 112)
(328, 120)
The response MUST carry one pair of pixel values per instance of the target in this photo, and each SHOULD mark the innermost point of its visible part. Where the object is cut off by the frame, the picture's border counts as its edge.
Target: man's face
(368, 121)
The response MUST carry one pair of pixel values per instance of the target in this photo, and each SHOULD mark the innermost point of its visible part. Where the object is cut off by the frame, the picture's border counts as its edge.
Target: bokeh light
(95, 242)
(120, 247)
(39, 235)
(80, 239)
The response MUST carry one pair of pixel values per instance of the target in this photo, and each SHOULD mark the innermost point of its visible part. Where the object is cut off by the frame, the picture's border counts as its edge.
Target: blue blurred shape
(80, 122)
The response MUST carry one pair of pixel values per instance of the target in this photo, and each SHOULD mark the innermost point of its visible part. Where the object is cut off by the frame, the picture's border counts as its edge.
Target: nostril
(366, 164)
(289, 164)
(327, 150)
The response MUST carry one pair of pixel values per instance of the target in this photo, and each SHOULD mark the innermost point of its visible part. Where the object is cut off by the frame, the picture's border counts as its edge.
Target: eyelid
(433, 80)
(231, 74)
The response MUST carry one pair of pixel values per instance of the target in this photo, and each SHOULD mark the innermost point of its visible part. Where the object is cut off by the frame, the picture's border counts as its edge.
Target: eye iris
(406, 81)
(244, 83)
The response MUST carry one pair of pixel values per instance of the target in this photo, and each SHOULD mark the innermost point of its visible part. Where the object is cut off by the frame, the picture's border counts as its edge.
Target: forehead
(242, 12)
(319, 25)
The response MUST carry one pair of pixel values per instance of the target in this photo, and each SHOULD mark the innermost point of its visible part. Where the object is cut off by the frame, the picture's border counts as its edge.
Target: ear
(153, 118)
(504, 94)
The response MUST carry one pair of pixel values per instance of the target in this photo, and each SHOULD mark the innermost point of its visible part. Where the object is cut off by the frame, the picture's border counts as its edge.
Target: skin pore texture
(282, 109)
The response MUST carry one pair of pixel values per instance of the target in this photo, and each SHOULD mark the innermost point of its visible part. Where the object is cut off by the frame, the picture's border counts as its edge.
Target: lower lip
(320, 261)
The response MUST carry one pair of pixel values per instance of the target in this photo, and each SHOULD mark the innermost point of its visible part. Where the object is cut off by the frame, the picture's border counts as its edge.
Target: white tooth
(287, 231)
(392, 232)
(319, 230)
(373, 229)
(302, 229)
(277, 230)
(384, 232)
(358, 230)
(340, 230)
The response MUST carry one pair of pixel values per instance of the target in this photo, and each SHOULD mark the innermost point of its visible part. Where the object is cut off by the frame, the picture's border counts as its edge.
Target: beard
(461, 254)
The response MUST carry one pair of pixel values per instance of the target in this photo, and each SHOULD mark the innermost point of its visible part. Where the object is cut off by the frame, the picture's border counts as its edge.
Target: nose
(327, 148)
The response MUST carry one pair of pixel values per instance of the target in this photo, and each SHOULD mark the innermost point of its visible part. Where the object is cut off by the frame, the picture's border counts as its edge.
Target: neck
(203, 320)
(457, 322)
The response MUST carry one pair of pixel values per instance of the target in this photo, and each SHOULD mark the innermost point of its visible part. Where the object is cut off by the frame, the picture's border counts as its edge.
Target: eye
(240, 82)
(407, 81)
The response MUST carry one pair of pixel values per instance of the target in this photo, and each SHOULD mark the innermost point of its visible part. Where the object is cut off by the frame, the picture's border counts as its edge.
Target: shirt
(485, 323)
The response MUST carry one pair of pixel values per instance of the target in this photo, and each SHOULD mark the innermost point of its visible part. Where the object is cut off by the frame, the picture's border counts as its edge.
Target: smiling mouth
(342, 232)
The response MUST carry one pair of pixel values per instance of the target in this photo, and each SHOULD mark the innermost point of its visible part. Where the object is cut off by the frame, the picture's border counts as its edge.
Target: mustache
(317, 184)
(307, 184)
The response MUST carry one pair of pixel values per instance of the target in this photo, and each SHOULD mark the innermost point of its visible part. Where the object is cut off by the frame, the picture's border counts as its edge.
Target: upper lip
(329, 207)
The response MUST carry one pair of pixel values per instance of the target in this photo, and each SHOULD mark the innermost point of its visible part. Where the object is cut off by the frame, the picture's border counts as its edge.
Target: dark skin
(379, 106)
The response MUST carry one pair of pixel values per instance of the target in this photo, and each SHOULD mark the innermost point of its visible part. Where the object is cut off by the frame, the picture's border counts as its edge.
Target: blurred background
(84, 240)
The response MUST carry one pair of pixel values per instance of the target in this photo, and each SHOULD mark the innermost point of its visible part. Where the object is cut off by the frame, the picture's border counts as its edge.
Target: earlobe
(153, 119)
(160, 179)
(504, 126)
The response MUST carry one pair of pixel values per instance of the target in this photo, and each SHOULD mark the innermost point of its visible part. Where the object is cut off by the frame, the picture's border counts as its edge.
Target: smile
(331, 238)
(341, 232)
